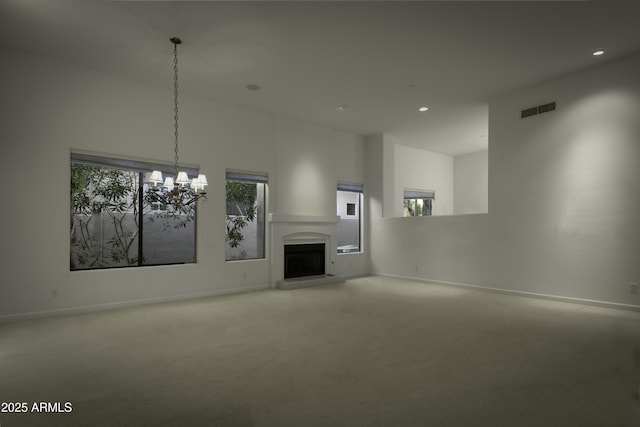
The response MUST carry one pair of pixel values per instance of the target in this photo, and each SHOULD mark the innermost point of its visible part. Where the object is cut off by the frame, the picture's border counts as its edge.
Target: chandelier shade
(168, 183)
(182, 178)
(195, 184)
(156, 177)
(202, 179)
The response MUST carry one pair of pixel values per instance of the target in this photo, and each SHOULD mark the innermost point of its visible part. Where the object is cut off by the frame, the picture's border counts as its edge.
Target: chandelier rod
(176, 41)
(179, 190)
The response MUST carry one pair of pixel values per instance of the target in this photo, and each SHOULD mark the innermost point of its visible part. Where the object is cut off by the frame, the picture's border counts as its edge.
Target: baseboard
(122, 304)
(220, 292)
(584, 301)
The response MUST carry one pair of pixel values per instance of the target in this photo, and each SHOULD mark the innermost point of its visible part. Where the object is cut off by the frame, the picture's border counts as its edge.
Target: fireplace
(296, 232)
(301, 260)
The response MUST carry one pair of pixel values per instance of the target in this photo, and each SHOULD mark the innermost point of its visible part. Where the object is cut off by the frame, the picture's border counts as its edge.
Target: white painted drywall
(471, 183)
(423, 170)
(52, 107)
(310, 160)
(564, 197)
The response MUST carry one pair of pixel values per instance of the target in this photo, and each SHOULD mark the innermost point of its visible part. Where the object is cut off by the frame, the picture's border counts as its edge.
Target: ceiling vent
(545, 108)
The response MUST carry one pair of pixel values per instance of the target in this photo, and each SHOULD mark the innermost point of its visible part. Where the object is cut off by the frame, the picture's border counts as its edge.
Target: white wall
(471, 183)
(563, 188)
(52, 107)
(564, 197)
(566, 185)
(310, 160)
(424, 170)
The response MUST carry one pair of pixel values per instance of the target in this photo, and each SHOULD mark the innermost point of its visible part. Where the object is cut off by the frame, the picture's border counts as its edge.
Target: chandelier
(179, 191)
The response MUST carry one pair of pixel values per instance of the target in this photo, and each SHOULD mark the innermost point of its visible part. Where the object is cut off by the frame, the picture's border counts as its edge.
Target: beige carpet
(370, 352)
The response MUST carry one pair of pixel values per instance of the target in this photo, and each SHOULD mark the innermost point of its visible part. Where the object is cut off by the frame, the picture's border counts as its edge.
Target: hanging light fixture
(178, 190)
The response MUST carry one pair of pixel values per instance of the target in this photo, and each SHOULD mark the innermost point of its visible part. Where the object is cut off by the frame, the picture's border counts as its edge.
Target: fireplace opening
(304, 260)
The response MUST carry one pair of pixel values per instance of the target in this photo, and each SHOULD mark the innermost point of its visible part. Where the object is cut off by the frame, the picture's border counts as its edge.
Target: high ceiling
(382, 60)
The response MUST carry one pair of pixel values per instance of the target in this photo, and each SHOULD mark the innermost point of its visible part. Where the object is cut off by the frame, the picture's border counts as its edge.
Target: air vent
(529, 112)
(546, 107)
(540, 109)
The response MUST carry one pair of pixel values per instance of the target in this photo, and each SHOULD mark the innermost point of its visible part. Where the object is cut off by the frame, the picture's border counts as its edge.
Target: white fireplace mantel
(294, 228)
(293, 218)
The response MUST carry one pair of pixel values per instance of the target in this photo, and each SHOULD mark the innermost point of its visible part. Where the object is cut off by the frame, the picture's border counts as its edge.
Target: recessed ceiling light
(598, 52)
(423, 109)
(253, 87)
(342, 107)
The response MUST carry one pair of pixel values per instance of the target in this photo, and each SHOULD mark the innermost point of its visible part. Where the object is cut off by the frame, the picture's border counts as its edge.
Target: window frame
(143, 169)
(359, 190)
(249, 177)
(415, 195)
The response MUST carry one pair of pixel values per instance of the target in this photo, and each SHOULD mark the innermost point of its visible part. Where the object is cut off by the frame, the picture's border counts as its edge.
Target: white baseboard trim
(122, 304)
(584, 301)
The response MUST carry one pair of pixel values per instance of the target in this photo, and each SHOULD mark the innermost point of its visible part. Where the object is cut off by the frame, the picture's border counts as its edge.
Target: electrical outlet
(633, 288)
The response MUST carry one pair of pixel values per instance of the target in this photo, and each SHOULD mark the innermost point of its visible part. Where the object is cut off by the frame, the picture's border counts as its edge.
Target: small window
(245, 215)
(349, 231)
(418, 202)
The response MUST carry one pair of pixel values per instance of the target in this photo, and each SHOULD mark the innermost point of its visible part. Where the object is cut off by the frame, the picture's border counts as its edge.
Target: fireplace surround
(288, 229)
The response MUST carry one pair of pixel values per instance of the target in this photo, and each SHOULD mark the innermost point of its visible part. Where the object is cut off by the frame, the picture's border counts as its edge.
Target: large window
(418, 202)
(111, 225)
(349, 198)
(245, 199)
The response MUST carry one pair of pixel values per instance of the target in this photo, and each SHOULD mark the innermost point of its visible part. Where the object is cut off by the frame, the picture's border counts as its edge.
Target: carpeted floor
(373, 351)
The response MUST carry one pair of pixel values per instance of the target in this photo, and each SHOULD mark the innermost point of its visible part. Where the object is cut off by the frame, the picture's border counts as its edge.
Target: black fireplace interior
(303, 260)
